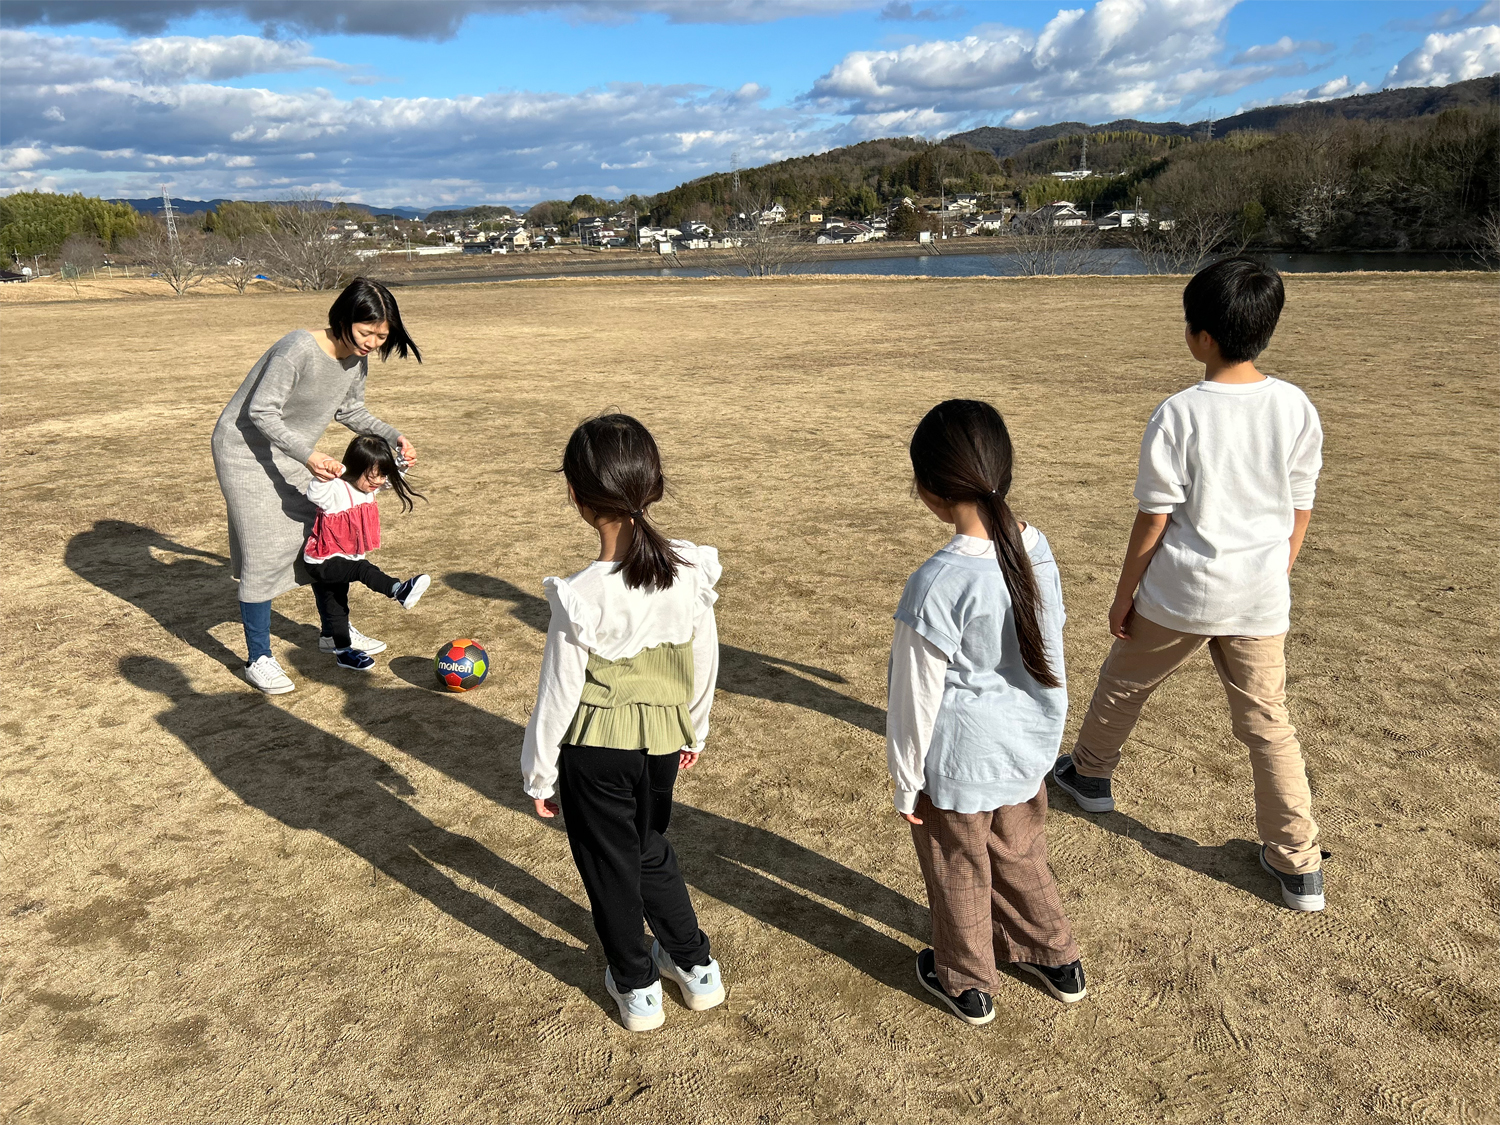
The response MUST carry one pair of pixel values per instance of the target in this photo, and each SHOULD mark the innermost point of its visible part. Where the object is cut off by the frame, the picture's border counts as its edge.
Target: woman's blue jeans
(257, 619)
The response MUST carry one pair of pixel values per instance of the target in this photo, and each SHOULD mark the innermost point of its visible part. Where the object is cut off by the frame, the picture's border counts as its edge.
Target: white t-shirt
(1229, 462)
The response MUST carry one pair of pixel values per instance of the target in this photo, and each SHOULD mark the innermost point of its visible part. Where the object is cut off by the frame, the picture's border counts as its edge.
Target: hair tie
(993, 491)
(637, 515)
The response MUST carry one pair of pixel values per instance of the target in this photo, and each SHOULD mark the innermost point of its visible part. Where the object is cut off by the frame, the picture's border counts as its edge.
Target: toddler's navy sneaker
(970, 1005)
(1092, 793)
(353, 659)
(410, 592)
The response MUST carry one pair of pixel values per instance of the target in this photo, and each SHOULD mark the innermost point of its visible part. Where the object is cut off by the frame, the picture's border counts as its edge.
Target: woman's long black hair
(371, 451)
(368, 302)
(962, 452)
(614, 469)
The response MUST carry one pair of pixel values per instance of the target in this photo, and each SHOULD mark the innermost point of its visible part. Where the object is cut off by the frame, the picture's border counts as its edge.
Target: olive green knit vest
(638, 702)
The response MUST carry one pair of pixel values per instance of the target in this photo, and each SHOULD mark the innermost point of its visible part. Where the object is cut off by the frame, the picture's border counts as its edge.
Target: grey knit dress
(270, 427)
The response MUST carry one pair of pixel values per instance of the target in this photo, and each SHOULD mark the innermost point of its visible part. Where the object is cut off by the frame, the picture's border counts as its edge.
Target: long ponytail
(614, 469)
(961, 451)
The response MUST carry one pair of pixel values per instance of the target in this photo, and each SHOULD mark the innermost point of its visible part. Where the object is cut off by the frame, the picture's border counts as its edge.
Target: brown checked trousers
(992, 895)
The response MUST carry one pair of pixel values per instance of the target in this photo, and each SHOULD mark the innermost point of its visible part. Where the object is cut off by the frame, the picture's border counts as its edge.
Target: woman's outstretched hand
(546, 807)
(910, 818)
(324, 467)
(408, 450)
(687, 759)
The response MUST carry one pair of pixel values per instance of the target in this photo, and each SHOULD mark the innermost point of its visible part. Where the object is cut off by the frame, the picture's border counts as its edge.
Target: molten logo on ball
(461, 665)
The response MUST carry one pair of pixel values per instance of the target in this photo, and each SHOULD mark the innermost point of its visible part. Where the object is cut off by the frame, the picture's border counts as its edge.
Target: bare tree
(80, 252)
(1184, 242)
(762, 249)
(1043, 248)
(181, 262)
(1486, 240)
(302, 249)
(240, 260)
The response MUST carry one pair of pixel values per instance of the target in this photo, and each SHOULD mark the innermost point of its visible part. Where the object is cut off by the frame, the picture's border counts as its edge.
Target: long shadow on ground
(305, 777)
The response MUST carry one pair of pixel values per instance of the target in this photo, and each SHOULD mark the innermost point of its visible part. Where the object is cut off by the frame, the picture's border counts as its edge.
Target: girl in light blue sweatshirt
(976, 711)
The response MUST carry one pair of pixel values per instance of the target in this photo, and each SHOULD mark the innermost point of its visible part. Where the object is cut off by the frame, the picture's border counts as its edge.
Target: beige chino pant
(992, 895)
(1253, 670)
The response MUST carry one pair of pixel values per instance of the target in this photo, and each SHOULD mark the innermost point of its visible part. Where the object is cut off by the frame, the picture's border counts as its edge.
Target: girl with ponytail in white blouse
(627, 681)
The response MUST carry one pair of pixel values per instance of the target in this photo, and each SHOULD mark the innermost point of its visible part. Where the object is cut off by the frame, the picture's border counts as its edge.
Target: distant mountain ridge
(153, 206)
(1416, 101)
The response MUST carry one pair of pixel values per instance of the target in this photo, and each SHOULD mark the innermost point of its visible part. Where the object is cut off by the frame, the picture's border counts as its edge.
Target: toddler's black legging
(616, 805)
(331, 590)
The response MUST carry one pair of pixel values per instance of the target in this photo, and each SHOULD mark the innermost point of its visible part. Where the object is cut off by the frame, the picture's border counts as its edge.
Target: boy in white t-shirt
(1228, 469)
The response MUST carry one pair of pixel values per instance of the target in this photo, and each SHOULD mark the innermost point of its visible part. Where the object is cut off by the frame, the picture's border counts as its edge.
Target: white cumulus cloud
(1444, 58)
(1120, 58)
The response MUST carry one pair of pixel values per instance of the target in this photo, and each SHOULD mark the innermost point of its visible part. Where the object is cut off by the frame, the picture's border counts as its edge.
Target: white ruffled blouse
(593, 612)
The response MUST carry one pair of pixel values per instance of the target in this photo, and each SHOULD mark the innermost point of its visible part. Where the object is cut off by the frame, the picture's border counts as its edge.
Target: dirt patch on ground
(334, 906)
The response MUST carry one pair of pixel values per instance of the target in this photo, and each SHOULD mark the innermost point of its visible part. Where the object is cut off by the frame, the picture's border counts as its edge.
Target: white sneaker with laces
(701, 989)
(640, 1008)
(356, 640)
(268, 676)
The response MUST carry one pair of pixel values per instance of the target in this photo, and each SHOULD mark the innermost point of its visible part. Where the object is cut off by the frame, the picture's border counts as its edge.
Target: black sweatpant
(616, 805)
(331, 580)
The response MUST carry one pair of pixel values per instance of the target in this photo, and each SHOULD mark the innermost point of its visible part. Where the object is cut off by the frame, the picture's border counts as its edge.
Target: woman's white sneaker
(701, 989)
(268, 676)
(640, 1008)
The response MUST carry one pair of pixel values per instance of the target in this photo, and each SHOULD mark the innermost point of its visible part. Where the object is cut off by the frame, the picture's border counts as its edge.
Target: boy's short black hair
(1236, 301)
(365, 301)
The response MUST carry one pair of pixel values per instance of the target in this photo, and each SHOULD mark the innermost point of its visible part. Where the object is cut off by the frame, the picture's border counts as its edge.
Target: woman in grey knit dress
(264, 454)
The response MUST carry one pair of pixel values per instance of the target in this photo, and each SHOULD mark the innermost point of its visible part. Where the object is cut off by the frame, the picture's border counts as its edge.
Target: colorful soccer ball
(461, 665)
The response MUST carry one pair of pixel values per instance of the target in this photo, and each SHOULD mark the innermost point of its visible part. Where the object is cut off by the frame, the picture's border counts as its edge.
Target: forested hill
(1418, 101)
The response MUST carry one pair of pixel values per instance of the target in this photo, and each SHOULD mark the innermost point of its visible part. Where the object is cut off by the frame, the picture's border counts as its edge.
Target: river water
(948, 263)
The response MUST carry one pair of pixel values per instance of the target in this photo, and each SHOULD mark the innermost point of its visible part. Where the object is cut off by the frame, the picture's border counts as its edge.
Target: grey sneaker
(703, 988)
(356, 640)
(970, 1005)
(1092, 793)
(640, 1008)
(268, 676)
(1300, 892)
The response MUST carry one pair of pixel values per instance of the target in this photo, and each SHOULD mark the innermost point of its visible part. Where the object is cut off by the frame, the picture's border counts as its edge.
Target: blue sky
(511, 101)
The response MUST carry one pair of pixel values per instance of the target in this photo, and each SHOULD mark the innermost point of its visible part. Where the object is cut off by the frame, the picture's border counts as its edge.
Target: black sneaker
(1063, 981)
(971, 1005)
(1300, 892)
(1092, 793)
(353, 659)
(410, 592)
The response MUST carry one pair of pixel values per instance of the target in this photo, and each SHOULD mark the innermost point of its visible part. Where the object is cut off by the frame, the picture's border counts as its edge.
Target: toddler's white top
(1229, 462)
(594, 612)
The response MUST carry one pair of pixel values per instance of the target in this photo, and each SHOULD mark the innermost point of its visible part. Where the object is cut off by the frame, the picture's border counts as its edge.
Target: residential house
(1124, 218)
(1059, 214)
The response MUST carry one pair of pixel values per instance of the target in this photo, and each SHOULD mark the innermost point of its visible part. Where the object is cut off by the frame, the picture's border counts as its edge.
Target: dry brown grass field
(335, 905)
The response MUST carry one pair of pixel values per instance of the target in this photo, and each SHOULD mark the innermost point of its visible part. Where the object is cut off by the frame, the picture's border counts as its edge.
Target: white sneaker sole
(632, 1021)
(1065, 997)
(1309, 904)
(695, 1001)
(419, 587)
(272, 689)
(345, 668)
(1087, 804)
(973, 1021)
